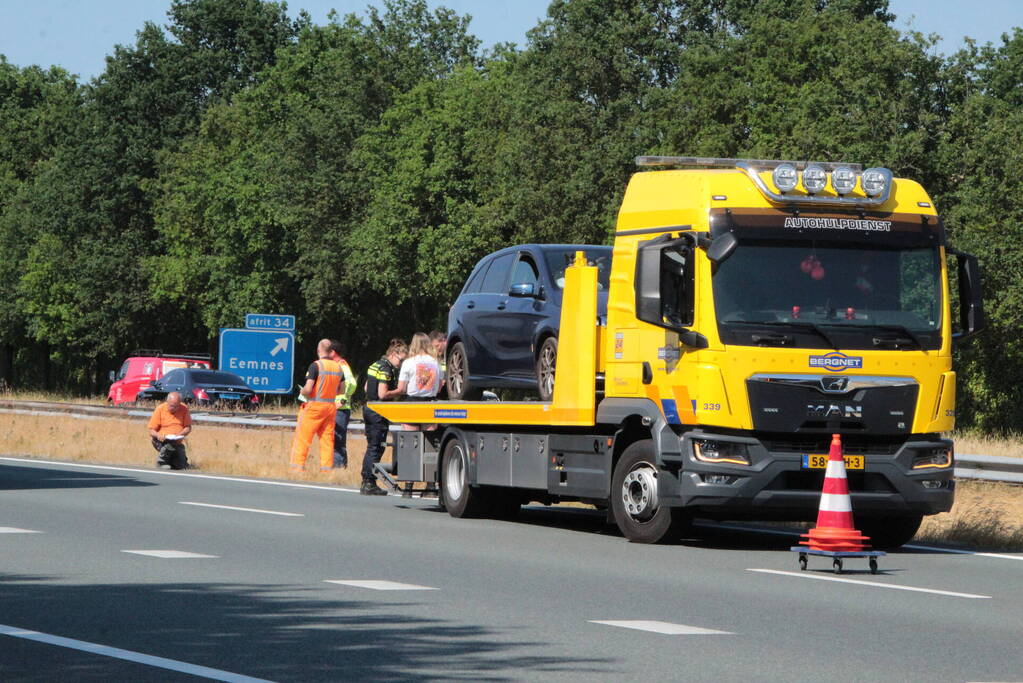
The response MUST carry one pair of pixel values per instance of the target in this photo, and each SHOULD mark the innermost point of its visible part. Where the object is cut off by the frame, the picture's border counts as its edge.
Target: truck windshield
(818, 294)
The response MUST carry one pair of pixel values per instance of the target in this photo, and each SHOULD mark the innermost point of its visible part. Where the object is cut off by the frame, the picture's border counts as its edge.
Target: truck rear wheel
(460, 499)
(459, 386)
(889, 532)
(634, 501)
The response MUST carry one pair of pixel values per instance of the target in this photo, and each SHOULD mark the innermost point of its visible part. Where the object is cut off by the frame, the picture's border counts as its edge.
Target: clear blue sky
(77, 34)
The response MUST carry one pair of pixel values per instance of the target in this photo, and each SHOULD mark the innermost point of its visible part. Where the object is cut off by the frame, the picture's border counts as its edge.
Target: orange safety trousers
(315, 419)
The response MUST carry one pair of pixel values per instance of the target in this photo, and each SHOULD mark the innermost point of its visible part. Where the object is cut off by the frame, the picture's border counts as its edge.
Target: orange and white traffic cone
(835, 531)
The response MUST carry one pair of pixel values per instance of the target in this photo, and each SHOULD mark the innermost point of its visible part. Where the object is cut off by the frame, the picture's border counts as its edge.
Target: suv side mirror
(971, 302)
(523, 289)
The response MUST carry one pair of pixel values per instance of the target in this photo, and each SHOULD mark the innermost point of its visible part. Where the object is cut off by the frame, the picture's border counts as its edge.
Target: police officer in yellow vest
(323, 382)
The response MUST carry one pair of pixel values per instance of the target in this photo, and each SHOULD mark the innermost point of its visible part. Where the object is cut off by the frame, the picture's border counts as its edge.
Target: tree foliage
(353, 172)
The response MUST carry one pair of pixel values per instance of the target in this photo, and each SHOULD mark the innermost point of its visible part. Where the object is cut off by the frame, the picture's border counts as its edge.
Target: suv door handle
(501, 305)
(470, 304)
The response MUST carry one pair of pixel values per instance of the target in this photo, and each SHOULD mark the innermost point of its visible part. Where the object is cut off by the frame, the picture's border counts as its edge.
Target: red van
(145, 366)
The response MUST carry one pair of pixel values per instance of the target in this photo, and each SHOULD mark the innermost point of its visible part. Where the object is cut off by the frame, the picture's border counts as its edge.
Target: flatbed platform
(537, 413)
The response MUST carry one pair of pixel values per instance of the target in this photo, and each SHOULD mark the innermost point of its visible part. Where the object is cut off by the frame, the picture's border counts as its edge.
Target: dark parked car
(203, 388)
(503, 328)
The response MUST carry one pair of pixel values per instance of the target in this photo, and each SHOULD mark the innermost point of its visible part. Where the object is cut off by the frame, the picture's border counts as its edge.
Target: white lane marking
(665, 627)
(16, 530)
(380, 585)
(964, 552)
(128, 655)
(913, 546)
(336, 489)
(872, 584)
(167, 554)
(231, 507)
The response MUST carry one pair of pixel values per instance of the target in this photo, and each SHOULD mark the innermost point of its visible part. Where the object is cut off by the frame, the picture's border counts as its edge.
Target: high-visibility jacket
(344, 399)
(328, 381)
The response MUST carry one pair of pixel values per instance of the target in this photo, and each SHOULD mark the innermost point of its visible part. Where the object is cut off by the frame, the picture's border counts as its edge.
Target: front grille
(813, 480)
(852, 444)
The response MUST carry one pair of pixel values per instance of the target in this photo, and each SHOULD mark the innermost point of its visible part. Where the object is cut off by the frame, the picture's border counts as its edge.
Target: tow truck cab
(760, 306)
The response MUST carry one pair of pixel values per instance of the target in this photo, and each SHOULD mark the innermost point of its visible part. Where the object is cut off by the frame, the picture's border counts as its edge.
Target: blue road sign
(269, 321)
(265, 359)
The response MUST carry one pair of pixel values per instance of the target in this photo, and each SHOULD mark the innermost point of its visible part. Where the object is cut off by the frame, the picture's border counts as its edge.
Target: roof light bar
(876, 183)
(721, 162)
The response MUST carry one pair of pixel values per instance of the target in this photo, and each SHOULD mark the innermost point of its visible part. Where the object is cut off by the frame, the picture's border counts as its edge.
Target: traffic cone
(834, 531)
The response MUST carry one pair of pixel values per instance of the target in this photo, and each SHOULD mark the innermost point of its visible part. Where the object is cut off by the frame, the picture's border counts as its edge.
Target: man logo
(834, 385)
(824, 411)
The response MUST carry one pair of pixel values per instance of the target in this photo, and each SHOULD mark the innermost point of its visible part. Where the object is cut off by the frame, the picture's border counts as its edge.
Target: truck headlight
(711, 450)
(933, 458)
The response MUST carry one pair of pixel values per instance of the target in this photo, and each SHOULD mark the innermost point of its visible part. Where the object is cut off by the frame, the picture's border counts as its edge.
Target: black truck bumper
(777, 485)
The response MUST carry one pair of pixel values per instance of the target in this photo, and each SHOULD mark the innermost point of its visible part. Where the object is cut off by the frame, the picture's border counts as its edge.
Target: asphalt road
(87, 592)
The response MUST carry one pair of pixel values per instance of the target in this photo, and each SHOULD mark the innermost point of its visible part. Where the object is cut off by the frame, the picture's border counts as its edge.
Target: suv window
(473, 285)
(174, 378)
(497, 275)
(525, 271)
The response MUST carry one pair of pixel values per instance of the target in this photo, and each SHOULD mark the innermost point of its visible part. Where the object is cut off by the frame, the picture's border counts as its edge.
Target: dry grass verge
(220, 450)
(986, 515)
(1009, 446)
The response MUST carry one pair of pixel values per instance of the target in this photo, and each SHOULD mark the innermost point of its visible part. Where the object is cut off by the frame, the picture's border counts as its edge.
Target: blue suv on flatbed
(503, 328)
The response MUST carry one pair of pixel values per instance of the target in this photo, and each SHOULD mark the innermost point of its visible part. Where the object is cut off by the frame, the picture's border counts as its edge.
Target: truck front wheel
(637, 511)
(460, 499)
(889, 532)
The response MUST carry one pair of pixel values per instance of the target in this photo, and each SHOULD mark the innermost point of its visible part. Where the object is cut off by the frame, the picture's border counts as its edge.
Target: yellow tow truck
(755, 308)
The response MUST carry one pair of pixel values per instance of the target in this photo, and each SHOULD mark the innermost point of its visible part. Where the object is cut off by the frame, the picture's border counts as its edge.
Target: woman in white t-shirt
(419, 377)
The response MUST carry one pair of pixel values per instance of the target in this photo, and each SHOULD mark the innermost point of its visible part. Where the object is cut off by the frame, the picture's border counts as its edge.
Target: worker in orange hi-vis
(323, 382)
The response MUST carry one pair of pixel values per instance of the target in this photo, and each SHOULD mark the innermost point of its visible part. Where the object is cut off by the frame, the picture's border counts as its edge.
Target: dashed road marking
(16, 530)
(380, 585)
(872, 584)
(168, 554)
(128, 655)
(665, 627)
(171, 473)
(955, 551)
(231, 507)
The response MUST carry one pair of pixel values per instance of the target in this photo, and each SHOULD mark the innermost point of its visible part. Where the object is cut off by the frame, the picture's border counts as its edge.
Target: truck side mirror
(113, 375)
(666, 285)
(971, 302)
(721, 247)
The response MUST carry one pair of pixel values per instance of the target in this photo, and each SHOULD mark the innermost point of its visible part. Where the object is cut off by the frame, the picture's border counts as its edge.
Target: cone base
(835, 539)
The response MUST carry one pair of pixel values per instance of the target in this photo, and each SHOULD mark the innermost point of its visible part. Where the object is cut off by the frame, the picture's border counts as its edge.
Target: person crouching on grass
(168, 426)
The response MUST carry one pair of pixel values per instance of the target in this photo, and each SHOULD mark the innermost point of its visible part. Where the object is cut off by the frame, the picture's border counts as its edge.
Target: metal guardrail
(989, 468)
(978, 467)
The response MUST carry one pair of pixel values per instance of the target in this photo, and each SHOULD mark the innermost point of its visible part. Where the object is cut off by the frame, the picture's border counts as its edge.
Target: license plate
(231, 397)
(816, 461)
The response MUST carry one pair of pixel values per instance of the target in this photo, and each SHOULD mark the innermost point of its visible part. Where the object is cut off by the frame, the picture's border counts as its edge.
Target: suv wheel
(546, 364)
(459, 386)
